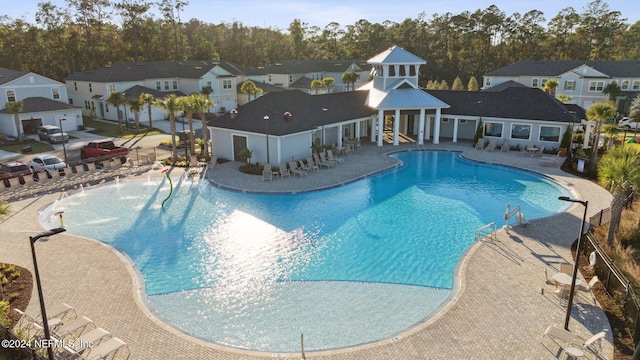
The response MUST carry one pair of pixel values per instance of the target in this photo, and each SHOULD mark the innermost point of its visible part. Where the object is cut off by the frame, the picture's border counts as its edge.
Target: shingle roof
(40, 104)
(136, 91)
(510, 103)
(396, 55)
(266, 88)
(309, 66)
(7, 75)
(629, 68)
(137, 71)
(306, 110)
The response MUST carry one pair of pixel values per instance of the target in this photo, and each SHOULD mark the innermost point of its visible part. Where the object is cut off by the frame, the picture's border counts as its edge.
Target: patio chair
(283, 170)
(592, 262)
(597, 338)
(60, 311)
(267, 174)
(78, 325)
(325, 160)
(505, 146)
(303, 166)
(319, 162)
(568, 338)
(105, 349)
(330, 157)
(311, 165)
(491, 146)
(480, 144)
(540, 151)
(589, 287)
(294, 168)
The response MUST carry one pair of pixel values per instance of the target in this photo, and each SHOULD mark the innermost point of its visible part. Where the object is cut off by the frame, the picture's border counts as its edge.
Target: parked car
(103, 150)
(52, 134)
(13, 170)
(46, 163)
(628, 123)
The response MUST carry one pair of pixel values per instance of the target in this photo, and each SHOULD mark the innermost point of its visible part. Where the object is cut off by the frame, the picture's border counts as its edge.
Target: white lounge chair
(325, 160)
(505, 146)
(77, 325)
(283, 170)
(480, 144)
(294, 169)
(319, 162)
(105, 349)
(568, 339)
(267, 174)
(330, 157)
(491, 146)
(588, 344)
(311, 165)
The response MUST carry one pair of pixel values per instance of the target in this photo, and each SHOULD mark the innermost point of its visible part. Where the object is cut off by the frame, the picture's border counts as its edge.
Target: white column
(587, 135)
(396, 128)
(380, 126)
(340, 130)
(427, 128)
(421, 128)
(436, 128)
(455, 130)
(373, 129)
(357, 134)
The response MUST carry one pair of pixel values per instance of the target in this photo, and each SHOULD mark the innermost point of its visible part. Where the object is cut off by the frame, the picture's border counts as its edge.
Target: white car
(628, 123)
(46, 163)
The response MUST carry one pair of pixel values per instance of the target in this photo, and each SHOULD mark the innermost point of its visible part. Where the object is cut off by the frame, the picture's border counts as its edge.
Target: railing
(488, 230)
(16, 352)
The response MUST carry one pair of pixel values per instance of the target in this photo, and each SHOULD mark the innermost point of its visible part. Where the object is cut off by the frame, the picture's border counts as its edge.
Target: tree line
(88, 34)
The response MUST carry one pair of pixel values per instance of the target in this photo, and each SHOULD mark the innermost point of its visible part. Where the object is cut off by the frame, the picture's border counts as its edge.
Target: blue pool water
(344, 266)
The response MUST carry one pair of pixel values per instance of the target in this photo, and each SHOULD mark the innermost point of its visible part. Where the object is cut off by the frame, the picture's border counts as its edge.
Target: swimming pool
(344, 266)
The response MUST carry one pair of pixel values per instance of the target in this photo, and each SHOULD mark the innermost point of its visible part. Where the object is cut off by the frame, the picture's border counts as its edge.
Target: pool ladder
(486, 231)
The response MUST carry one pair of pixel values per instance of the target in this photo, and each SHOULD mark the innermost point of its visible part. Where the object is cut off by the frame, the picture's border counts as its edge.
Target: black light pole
(575, 264)
(185, 140)
(64, 148)
(325, 110)
(45, 323)
(266, 119)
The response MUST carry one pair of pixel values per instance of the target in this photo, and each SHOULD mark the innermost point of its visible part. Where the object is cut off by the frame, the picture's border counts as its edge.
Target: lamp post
(45, 323)
(184, 135)
(575, 264)
(325, 110)
(266, 121)
(64, 147)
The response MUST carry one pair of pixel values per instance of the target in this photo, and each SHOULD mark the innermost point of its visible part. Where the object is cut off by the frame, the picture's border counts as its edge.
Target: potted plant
(246, 154)
(565, 142)
(582, 159)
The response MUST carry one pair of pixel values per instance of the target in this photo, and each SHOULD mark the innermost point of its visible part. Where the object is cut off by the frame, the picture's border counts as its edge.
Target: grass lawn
(108, 129)
(36, 146)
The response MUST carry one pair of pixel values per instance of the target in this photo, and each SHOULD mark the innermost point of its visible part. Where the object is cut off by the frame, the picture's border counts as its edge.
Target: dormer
(395, 65)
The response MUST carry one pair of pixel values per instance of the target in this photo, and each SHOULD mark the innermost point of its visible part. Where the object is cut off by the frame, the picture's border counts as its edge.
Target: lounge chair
(551, 161)
(568, 338)
(330, 157)
(505, 146)
(319, 162)
(60, 311)
(283, 170)
(311, 165)
(325, 160)
(303, 166)
(77, 325)
(592, 262)
(540, 151)
(26, 322)
(588, 344)
(294, 168)
(491, 146)
(92, 338)
(105, 349)
(480, 144)
(267, 174)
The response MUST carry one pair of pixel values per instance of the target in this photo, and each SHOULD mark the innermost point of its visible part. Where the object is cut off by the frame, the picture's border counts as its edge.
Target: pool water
(345, 266)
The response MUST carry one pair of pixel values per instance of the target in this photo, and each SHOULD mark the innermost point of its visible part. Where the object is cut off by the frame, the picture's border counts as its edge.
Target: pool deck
(497, 310)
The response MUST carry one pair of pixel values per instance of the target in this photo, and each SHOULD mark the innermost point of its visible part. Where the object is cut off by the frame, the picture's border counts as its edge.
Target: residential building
(583, 81)
(45, 102)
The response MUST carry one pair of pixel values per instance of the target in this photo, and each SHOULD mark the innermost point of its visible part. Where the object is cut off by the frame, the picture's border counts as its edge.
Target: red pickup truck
(103, 150)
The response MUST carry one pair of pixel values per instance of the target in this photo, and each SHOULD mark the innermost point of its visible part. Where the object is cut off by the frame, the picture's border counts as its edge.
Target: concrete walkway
(497, 311)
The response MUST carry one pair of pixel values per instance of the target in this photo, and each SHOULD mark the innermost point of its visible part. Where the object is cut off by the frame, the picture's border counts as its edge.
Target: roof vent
(108, 66)
(198, 67)
(233, 113)
(140, 64)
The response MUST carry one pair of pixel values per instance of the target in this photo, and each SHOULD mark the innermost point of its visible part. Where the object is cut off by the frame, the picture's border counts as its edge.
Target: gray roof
(136, 91)
(629, 68)
(266, 88)
(306, 110)
(510, 103)
(40, 104)
(7, 75)
(396, 55)
(141, 70)
(310, 66)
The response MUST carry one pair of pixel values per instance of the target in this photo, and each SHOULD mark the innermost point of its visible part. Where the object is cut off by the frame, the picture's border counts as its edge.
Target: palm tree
(207, 90)
(201, 104)
(610, 131)
(188, 107)
(316, 84)
(250, 88)
(15, 107)
(171, 106)
(550, 87)
(328, 83)
(599, 113)
(613, 90)
(136, 105)
(350, 77)
(150, 101)
(116, 98)
(619, 172)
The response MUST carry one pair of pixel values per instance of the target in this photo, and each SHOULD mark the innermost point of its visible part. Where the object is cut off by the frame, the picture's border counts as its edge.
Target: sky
(279, 14)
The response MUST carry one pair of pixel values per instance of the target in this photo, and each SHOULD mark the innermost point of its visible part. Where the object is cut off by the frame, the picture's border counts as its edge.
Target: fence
(16, 352)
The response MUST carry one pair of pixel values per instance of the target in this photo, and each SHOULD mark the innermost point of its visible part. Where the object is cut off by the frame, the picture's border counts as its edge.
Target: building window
(520, 131)
(636, 85)
(493, 129)
(226, 84)
(158, 86)
(166, 85)
(75, 86)
(11, 95)
(543, 81)
(487, 81)
(56, 93)
(87, 105)
(290, 79)
(624, 85)
(174, 84)
(209, 84)
(70, 101)
(570, 85)
(535, 82)
(462, 121)
(269, 78)
(596, 86)
(550, 133)
(90, 88)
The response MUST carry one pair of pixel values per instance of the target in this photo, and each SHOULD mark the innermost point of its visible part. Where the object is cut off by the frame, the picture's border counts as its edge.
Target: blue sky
(320, 13)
